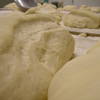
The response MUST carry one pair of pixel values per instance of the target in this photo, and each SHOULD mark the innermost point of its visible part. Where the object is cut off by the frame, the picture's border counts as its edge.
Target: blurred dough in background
(12, 6)
(49, 9)
(82, 19)
(69, 7)
(90, 8)
(45, 8)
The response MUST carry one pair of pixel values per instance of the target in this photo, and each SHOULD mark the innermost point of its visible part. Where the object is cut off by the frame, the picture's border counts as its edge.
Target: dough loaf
(82, 19)
(32, 49)
(78, 79)
(92, 8)
(46, 9)
(69, 7)
(12, 6)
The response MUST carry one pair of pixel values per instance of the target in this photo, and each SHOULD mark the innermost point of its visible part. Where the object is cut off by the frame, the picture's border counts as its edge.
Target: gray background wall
(87, 2)
(81, 2)
(4, 2)
(66, 2)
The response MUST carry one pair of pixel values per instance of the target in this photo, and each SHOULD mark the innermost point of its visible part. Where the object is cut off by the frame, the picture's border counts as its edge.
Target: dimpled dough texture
(32, 49)
(78, 79)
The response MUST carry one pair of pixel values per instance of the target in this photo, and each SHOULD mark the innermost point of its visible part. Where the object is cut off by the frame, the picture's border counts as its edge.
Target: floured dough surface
(78, 79)
(32, 49)
(7, 27)
(78, 21)
(82, 19)
(46, 9)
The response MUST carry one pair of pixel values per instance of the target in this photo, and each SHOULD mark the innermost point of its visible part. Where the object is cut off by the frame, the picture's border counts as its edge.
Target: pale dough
(95, 9)
(94, 48)
(79, 79)
(69, 7)
(12, 6)
(32, 49)
(45, 8)
(91, 8)
(82, 19)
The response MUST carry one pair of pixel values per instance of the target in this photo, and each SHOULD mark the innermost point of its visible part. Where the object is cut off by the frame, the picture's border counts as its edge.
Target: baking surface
(82, 44)
(4, 11)
(95, 32)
